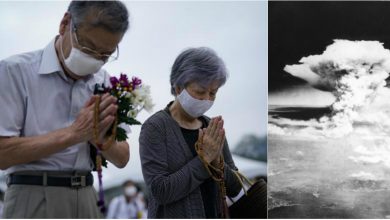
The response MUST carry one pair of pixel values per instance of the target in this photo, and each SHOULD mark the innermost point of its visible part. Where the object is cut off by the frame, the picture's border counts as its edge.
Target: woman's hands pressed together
(211, 140)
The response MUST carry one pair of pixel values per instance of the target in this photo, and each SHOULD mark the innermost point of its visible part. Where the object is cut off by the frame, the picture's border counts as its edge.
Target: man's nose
(207, 97)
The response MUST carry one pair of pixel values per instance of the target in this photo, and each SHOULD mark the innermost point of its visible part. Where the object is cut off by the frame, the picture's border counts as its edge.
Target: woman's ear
(178, 90)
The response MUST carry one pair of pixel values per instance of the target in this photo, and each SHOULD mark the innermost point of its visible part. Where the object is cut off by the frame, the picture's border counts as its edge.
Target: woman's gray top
(172, 174)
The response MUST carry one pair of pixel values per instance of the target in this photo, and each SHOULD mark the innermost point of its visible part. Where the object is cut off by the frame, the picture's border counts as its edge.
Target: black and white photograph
(329, 110)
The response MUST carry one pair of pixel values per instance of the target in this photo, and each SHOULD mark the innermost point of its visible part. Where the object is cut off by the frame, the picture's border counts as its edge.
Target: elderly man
(46, 117)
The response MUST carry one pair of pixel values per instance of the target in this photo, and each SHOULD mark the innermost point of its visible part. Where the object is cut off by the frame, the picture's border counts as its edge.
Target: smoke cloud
(301, 96)
(337, 158)
(354, 72)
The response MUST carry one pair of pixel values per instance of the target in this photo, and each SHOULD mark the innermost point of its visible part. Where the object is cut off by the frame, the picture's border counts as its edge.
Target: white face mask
(79, 62)
(193, 107)
(130, 191)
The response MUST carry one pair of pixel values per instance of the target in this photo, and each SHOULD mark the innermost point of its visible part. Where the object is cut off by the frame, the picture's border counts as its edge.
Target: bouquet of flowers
(132, 97)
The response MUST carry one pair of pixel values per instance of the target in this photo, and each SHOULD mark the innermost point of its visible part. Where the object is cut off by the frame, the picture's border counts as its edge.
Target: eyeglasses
(105, 57)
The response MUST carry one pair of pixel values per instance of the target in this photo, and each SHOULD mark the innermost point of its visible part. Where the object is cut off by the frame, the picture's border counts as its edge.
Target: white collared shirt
(36, 97)
(120, 209)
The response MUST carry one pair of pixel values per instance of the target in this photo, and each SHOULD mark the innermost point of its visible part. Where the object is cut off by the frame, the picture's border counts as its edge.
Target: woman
(180, 184)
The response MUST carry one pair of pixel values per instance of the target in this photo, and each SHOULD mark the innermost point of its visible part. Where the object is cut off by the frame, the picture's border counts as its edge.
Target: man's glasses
(105, 57)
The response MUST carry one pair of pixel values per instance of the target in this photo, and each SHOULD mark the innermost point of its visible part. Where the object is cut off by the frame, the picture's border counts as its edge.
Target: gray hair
(110, 15)
(201, 65)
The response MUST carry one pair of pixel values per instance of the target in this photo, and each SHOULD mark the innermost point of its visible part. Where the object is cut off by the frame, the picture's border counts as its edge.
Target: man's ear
(65, 22)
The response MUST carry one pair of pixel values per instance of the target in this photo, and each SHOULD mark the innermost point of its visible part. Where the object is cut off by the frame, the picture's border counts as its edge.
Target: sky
(300, 29)
(158, 32)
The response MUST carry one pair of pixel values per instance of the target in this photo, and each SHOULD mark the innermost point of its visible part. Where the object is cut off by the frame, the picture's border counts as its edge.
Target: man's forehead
(100, 39)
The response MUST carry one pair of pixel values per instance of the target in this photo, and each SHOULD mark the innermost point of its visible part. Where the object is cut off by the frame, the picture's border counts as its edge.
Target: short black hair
(111, 15)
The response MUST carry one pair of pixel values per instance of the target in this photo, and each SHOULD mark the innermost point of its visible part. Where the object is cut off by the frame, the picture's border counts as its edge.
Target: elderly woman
(180, 180)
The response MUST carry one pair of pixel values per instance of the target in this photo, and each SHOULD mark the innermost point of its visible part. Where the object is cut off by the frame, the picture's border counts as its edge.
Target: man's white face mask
(79, 62)
(193, 107)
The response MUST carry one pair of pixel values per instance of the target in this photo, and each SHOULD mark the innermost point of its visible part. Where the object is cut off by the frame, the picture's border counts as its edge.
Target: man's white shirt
(36, 97)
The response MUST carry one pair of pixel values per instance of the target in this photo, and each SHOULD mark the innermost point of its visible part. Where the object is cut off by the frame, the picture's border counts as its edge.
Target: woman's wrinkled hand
(211, 140)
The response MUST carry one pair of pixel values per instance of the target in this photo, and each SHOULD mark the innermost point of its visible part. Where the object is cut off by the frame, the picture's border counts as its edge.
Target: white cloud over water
(355, 73)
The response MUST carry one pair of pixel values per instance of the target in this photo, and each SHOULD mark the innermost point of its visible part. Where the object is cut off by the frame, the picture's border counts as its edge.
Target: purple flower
(124, 80)
(135, 82)
(114, 81)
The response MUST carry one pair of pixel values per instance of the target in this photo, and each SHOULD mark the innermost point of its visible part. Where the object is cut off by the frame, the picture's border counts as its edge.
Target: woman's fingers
(220, 138)
(215, 132)
(219, 127)
(213, 126)
(213, 138)
(208, 129)
(212, 131)
(222, 122)
(200, 137)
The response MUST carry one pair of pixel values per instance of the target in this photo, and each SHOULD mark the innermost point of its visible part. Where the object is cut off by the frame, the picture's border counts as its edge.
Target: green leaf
(127, 120)
(132, 121)
(121, 134)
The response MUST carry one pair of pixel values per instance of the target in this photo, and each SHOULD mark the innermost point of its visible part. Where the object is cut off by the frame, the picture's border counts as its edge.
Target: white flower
(137, 100)
(142, 91)
(132, 113)
(128, 95)
(141, 98)
(148, 104)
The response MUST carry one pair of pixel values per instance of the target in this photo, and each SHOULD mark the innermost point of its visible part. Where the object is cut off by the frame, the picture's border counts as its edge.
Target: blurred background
(158, 32)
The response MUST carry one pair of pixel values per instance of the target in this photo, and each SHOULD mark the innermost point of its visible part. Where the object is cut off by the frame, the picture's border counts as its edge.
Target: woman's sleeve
(165, 186)
(233, 186)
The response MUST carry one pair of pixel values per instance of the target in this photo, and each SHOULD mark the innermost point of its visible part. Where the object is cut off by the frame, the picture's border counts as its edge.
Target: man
(46, 116)
(130, 205)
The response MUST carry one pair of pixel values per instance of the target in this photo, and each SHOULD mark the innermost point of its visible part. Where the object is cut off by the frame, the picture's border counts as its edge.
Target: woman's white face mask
(79, 62)
(193, 107)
